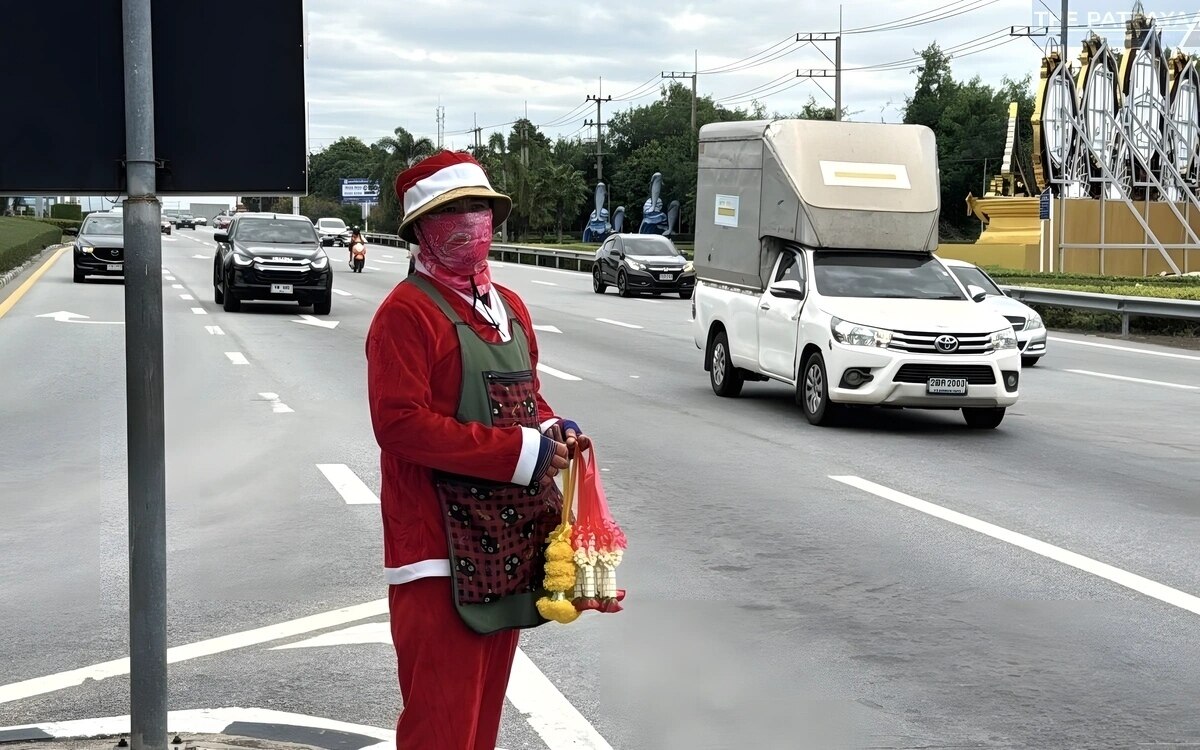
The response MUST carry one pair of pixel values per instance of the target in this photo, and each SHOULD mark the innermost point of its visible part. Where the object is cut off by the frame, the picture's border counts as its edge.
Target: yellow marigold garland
(560, 563)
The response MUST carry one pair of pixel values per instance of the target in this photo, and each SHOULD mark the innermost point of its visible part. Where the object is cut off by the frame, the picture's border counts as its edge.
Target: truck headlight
(1034, 323)
(853, 334)
(242, 260)
(86, 249)
(634, 265)
(321, 262)
(689, 267)
(1002, 340)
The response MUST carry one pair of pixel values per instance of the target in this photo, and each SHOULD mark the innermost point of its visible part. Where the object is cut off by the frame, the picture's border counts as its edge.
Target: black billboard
(229, 99)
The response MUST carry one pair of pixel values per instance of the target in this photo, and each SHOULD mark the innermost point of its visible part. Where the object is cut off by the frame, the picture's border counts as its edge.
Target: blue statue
(619, 220)
(672, 219)
(598, 226)
(654, 221)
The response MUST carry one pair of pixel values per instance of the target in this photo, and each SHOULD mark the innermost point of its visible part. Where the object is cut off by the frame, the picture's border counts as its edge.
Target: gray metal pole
(837, 79)
(1063, 21)
(144, 387)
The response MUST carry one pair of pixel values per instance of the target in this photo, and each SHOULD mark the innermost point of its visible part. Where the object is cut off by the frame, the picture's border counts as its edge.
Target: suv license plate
(114, 266)
(287, 289)
(947, 386)
(666, 277)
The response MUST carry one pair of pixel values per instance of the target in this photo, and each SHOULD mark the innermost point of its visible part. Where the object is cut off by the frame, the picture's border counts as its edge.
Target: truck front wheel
(812, 392)
(726, 380)
(984, 418)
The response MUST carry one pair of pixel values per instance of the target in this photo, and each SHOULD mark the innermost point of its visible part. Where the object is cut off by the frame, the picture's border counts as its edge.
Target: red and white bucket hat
(440, 179)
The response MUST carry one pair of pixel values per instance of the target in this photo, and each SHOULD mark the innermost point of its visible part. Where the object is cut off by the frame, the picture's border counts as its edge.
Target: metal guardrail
(573, 260)
(1126, 307)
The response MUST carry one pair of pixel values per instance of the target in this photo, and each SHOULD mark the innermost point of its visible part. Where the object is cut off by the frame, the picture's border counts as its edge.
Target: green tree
(562, 186)
(345, 158)
(394, 154)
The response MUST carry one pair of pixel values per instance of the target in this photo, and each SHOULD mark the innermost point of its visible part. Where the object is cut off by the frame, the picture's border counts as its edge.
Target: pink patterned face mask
(454, 248)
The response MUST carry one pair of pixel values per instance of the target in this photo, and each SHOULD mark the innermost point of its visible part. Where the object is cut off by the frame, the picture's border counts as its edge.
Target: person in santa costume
(469, 452)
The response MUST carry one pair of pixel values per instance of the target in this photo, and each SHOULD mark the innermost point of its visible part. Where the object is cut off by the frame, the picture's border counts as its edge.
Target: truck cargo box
(823, 184)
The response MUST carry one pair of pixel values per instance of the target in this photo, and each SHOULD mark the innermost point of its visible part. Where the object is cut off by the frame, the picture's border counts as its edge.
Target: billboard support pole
(144, 388)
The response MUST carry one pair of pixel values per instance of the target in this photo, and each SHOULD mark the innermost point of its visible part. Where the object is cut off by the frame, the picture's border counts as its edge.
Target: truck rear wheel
(726, 380)
(812, 392)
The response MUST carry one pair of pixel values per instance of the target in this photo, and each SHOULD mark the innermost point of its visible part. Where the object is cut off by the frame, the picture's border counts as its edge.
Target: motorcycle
(358, 257)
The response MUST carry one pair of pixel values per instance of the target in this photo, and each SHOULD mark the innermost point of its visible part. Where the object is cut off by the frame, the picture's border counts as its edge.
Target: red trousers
(452, 680)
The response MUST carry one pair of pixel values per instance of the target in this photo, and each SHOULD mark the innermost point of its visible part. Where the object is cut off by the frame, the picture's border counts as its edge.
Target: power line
(765, 94)
(780, 79)
(777, 56)
(908, 22)
(721, 68)
(633, 91)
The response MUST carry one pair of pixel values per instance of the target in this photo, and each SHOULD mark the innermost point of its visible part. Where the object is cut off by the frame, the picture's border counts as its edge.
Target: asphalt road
(770, 605)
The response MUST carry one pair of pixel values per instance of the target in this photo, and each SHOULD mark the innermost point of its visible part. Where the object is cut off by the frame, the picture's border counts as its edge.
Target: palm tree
(561, 186)
(397, 153)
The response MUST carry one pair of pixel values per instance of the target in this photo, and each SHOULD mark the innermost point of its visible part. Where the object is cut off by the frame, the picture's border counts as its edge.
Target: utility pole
(826, 36)
(1063, 23)
(477, 130)
(599, 130)
(692, 75)
(441, 123)
(146, 434)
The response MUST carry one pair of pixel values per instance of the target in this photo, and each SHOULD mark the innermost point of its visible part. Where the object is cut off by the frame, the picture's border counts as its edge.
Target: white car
(333, 232)
(1030, 330)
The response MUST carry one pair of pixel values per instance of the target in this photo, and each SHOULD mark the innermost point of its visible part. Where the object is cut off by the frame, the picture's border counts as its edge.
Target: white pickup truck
(815, 266)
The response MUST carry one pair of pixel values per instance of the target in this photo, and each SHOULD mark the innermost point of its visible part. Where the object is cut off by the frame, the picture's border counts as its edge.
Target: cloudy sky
(376, 64)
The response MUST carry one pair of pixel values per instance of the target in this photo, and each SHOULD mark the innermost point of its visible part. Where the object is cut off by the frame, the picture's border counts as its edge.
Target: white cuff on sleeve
(531, 442)
(548, 424)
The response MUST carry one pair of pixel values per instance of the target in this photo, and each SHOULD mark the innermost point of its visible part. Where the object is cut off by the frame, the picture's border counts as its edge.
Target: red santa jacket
(414, 374)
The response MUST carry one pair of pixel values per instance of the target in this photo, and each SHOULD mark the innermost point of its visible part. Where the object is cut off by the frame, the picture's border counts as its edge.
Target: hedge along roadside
(21, 239)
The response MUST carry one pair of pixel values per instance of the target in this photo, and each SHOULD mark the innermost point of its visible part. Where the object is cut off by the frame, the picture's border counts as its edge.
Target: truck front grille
(975, 374)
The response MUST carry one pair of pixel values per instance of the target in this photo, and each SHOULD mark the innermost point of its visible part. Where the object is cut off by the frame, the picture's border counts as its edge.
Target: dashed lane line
(237, 358)
(543, 283)
(619, 323)
(342, 293)
(214, 330)
(352, 489)
(557, 373)
(277, 406)
(199, 311)
(1142, 381)
(1152, 589)
(187, 297)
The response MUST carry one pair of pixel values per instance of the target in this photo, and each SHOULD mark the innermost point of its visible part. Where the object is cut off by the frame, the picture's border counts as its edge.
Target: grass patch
(21, 239)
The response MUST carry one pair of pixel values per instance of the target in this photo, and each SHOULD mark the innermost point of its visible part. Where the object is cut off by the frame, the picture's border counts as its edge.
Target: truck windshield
(289, 232)
(648, 247)
(883, 275)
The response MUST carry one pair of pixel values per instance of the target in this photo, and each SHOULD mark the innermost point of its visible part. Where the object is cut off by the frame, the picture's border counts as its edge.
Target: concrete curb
(8, 276)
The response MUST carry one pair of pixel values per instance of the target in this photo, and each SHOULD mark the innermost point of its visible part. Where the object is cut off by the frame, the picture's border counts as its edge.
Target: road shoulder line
(12, 299)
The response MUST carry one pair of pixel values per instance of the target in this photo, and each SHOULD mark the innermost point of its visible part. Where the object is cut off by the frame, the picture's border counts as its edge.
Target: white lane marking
(349, 486)
(389, 262)
(550, 714)
(208, 721)
(237, 358)
(214, 330)
(547, 329)
(186, 297)
(116, 667)
(1150, 588)
(312, 320)
(342, 293)
(277, 406)
(389, 257)
(544, 283)
(618, 323)
(371, 632)
(168, 239)
(649, 301)
(636, 377)
(373, 268)
(63, 316)
(199, 311)
(176, 286)
(1129, 349)
(166, 272)
(171, 278)
(200, 257)
(581, 275)
(556, 373)
(1135, 380)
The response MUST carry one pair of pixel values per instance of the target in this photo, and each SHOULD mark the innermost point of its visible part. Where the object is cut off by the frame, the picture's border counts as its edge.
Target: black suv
(266, 256)
(186, 221)
(99, 246)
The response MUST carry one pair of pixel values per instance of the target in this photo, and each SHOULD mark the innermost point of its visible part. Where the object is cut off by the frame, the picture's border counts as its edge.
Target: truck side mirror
(787, 290)
(221, 237)
(977, 293)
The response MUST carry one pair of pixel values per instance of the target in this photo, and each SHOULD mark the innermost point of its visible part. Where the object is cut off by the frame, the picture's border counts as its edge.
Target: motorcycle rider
(357, 259)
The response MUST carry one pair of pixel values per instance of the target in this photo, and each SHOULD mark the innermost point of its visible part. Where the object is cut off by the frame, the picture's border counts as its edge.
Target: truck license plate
(666, 277)
(114, 266)
(287, 289)
(947, 386)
